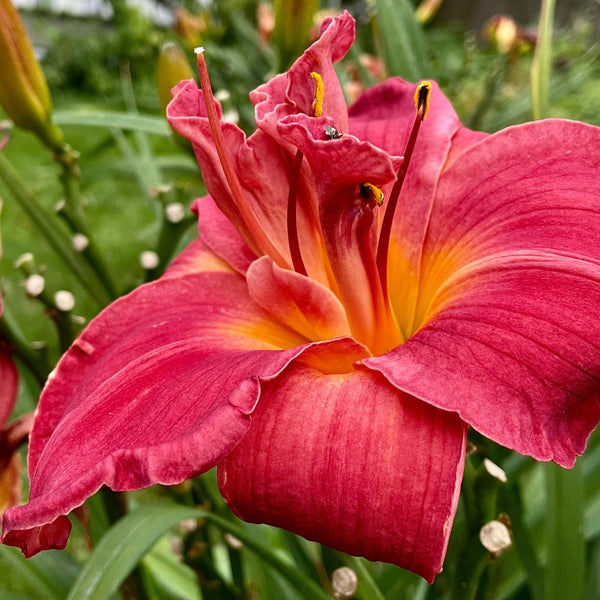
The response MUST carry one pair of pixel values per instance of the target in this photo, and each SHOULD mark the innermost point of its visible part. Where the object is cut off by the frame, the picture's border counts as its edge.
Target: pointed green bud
(24, 94)
(293, 20)
(173, 66)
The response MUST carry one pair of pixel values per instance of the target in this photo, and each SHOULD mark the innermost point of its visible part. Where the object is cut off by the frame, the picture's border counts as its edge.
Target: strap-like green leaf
(131, 538)
(120, 120)
(403, 41)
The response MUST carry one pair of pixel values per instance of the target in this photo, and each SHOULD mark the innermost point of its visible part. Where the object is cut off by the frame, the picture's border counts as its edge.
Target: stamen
(246, 213)
(292, 225)
(317, 105)
(372, 193)
(422, 95)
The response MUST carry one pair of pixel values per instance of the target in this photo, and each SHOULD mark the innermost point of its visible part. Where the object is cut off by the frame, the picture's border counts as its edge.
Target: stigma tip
(372, 193)
(199, 50)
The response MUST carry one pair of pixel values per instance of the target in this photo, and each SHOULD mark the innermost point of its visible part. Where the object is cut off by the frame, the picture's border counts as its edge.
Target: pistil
(422, 106)
(292, 223)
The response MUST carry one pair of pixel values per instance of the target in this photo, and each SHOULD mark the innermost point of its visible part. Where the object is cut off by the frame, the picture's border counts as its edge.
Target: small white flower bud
(231, 116)
(495, 537)
(233, 542)
(34, 285)
(24, 258)
(80, 241)
(494, 470)
(64, 300)
(175, 212)
(223, 95)
(344, 582)
(149, 259)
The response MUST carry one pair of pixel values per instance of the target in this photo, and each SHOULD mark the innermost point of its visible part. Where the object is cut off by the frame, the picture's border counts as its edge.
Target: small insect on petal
(332, 133)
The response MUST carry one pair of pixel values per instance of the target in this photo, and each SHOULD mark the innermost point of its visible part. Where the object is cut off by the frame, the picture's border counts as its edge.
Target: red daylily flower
(11, 436)
(327, 367)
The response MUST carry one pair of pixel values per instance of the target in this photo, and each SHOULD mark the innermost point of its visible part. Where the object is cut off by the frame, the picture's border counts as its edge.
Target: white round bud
(175, 212)
(34, 285)
(495, 537)
(149, 259)
(344, 582)
(223, 95)
(80, 241)
(64, 300)
(231, 116)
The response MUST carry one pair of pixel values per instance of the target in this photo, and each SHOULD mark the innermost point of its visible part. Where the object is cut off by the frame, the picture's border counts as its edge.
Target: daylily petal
(10, 483)
(196, 258)
(158, 388)
(511, 285)
(348, 218)
(384, 116)
(263, 170)
(350, 462)
(217, 232)
(303, 304)
(294, 92)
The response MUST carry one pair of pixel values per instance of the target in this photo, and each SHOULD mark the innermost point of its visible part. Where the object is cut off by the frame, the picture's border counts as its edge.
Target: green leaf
(123, 546)
(404, 47)
(131, 538)
(367, 588)
(565, 568)
(120, 120)
(167, 578)
(46, 576)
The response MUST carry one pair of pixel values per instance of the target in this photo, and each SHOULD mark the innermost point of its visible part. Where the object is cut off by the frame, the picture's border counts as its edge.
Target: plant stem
(72, 213)
(43, 220)
(35, 360)
(541, 66)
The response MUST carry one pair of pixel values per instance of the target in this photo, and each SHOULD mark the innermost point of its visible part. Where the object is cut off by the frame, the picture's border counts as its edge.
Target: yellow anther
(422, 95)
(317, 105)
(372, 192)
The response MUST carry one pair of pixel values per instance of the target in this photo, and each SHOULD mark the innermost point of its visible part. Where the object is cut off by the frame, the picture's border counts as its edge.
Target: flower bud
(427, 10)
(503, 33)
(24, 93)
(293, 20)
(190, 27)
(173, 66)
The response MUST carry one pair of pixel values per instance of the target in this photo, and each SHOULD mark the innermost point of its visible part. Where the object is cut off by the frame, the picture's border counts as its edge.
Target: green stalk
(541, 66)
(35, 360)
(43, 220)
(367, 588)
(73, 214)
(565, 569)
(307, 586)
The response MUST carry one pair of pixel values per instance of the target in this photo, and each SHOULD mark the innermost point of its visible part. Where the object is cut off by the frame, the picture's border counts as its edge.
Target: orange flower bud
(24, 94)
(293, 21)
(503, 33)
(427, 10)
